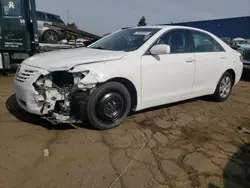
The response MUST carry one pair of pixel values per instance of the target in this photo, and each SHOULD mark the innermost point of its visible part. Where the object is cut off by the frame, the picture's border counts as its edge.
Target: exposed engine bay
(64, 94)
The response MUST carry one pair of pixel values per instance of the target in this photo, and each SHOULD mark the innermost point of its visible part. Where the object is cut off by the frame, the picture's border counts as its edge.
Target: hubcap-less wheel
(51, 36)
(111, 107)
(225, 87)
(108, 105)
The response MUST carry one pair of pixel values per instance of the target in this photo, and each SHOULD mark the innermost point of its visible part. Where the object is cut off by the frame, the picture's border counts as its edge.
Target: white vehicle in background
(72, 42)
(64, 41)
(239, 42)
(80, 43)
(129, 70)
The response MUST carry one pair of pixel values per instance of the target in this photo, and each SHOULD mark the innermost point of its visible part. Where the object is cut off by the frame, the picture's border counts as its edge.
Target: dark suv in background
(49, 34)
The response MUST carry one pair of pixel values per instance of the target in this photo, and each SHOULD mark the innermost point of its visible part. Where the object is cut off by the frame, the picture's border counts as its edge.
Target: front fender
(93, 76)
(100, 72)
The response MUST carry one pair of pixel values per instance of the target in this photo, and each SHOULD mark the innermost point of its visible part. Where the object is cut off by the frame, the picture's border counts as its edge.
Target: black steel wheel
(111, 107)
(108, 105)
(51, 36)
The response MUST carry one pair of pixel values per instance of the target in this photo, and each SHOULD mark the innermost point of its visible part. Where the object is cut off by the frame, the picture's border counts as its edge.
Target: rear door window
(205, 43)
(54, 18)
(58, 20)
(40, 16)
(51, 17)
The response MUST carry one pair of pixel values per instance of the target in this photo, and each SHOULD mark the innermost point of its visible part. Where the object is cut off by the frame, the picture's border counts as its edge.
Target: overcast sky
(104, 16)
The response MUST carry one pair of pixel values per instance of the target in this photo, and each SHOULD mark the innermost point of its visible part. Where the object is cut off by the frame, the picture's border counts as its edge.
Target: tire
(78, 105)
(51, 36)
(108, 106)
(220, 93)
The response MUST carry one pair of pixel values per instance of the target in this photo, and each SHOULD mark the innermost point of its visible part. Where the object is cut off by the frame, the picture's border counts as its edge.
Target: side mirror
(160, 49)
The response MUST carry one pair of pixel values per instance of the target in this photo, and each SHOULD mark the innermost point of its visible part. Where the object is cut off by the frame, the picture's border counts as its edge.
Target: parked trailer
(19, 37)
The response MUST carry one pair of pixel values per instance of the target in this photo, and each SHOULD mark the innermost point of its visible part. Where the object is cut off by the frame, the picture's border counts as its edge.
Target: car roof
(241, 39)
(47, 13)
(167, 27)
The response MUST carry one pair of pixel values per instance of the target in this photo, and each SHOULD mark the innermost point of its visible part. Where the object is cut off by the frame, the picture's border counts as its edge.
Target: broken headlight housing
(60, 80)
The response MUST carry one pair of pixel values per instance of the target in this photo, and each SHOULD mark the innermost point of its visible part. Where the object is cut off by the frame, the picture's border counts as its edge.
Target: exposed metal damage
(59, 89)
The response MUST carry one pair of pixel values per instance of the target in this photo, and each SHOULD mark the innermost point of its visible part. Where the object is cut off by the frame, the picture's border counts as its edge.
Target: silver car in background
(48, 33)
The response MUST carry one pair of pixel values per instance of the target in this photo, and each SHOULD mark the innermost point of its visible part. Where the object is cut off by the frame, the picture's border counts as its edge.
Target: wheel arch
(131, 88)
(232, 72)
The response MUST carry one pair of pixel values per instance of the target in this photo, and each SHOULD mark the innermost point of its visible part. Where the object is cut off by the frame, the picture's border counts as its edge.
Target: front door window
(177, 40)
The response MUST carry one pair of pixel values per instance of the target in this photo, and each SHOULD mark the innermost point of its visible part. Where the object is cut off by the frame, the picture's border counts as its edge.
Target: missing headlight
(62, 79)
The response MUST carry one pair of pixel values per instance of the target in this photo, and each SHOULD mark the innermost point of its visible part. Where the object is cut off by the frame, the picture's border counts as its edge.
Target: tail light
(241, 58)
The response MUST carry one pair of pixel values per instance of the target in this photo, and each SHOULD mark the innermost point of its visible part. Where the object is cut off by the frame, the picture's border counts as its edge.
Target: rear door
(13, 25)
(211, 61)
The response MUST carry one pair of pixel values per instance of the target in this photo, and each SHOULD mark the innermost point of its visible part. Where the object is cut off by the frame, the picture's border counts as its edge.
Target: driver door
(169, 77)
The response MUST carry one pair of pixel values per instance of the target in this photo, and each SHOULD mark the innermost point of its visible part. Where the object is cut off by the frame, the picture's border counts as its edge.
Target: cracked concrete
(189, 144)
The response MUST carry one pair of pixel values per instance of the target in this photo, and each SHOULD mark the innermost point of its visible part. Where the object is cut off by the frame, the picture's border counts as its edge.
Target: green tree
(142, 21)
(72, 25)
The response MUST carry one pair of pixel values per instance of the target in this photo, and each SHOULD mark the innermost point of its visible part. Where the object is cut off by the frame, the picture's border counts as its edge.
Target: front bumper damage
(59, 92)
(61, 95)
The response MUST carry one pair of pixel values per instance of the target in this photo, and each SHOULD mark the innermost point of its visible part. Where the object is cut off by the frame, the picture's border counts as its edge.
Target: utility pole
(68, 16)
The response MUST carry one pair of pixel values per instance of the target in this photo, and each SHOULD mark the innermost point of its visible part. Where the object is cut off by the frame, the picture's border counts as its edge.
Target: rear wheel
(51, 36)
(108, 106)
(224, 87)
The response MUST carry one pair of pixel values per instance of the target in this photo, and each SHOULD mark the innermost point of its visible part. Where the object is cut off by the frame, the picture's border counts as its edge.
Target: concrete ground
(190, 144)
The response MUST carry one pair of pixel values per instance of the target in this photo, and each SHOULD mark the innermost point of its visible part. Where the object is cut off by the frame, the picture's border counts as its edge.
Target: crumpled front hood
(66, 59)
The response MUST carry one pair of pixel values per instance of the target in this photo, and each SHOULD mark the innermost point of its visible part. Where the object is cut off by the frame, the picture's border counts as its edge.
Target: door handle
(189, 60)
(223, 57)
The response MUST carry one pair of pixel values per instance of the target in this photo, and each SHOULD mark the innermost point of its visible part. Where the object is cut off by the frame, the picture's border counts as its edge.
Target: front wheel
(224, 87)
(108, 105)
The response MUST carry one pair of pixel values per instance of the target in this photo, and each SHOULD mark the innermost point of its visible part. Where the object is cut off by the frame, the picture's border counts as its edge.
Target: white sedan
(129, 70)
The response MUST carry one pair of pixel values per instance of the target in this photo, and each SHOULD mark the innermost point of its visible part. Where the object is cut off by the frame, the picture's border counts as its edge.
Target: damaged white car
(129, 70)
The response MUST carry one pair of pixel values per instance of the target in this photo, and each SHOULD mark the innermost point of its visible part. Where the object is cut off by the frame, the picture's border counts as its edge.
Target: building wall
(230, 27)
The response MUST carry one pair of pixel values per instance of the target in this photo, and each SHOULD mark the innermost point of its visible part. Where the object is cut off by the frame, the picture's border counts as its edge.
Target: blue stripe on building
(229, 27)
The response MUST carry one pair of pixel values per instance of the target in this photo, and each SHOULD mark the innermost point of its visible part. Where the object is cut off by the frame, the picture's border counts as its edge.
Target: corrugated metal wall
(230, 27)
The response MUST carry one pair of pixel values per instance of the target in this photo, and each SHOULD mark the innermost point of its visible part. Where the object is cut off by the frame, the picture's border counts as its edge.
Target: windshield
(125, 40)
(242, 42)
